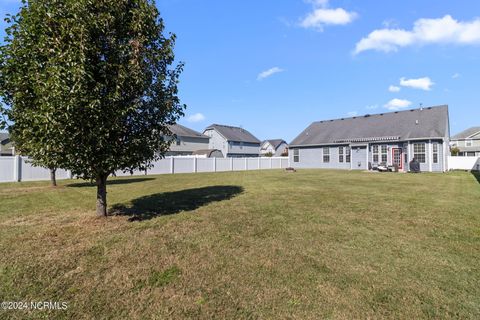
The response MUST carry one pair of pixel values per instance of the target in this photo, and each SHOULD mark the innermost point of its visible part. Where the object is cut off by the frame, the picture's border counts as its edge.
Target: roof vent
(331, 120)
(381, 114)
(396, 111)
(411, 110)
(354, 117)
(429, 108)
(342, 119)
(416, 122)
(367, 115)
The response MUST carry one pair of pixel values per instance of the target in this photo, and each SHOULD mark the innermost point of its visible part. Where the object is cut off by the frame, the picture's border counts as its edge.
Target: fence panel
(161, 166)
(464, 163)
(252, 163)
(205, 164)
(238, 164)
(7, 169)
(223, 164)
(183, 165)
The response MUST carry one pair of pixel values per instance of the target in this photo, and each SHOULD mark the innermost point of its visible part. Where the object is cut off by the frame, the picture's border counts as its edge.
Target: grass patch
(256, 244)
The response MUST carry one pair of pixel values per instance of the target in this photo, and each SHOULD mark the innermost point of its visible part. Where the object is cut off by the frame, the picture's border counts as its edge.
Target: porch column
(430, 156)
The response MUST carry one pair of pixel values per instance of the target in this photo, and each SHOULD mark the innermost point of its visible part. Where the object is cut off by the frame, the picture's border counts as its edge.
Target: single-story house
(275, 147)
(6, 145)
(234, 142)
(186, 141)
(467, 142)
(363, 142)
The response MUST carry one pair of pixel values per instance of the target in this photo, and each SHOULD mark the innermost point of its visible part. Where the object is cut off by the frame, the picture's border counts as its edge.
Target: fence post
(17, 169)
(172, 165)
(259, 163)
(246, 164)
(271, 165)
(214, 164)
(69, 174)
(231, 164)
(195, 165)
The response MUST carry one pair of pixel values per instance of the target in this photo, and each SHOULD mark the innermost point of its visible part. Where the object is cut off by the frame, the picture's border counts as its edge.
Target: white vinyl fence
(19, 169)
(464, 163)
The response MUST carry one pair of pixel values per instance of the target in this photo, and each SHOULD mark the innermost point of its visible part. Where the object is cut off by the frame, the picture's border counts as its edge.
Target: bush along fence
(18, 168)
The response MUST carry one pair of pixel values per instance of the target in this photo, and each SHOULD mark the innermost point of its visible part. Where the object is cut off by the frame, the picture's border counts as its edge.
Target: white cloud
(456, 76)
(444, 30)
(269, 72)
(352, 113)
(372, 107)
(397, 104)
(197, 117)
(322, 16)
(394, 89)
(424, 83)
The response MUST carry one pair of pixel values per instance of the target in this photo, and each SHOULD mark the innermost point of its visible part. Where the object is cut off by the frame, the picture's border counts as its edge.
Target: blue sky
(274, 66)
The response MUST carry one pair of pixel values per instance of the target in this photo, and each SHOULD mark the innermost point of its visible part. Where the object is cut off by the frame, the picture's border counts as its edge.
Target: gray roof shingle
(4, 136)
(466, 133)
(234, 133)
(275, 142)
(431, 122)
(182, 131)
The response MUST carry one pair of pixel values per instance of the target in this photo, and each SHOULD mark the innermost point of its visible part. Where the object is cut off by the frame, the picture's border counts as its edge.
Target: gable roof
(234, 133)
(275, 142)
(465, 134)
(181, 131)
(431, 122)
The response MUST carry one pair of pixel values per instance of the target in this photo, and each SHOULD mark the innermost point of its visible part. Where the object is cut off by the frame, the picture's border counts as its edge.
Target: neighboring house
(209, 153)
(186, 141)
(233, 141)
(6, 145)
(275, 147)
(363, 142)
(467, 142)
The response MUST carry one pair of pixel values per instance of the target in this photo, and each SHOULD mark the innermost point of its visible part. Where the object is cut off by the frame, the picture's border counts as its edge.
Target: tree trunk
(102, 196)
(53, 177)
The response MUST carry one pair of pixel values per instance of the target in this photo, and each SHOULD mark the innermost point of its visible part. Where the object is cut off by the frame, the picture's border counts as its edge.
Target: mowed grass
(246, 245)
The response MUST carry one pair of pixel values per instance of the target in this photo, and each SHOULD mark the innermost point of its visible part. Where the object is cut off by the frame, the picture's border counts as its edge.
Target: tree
(90, 85)
(454, 151)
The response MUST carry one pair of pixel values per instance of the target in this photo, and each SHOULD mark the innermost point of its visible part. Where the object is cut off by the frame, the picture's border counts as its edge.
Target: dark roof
(275, 142)
(466, 133)
(4, 138)
(431, 122)
(234, 133)
(207, 152)
(181, 131)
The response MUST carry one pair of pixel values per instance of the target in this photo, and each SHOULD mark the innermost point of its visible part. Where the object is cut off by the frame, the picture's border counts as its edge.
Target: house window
(375, 154)
(178, 142)
(435, 152)
(340, 154)
(384, 154)
(296, 155)
(419, 152)
(468, 143)
(347, 152)
(326, 154)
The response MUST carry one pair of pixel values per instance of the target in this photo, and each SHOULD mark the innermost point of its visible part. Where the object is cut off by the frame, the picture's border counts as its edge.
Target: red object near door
(397, 157)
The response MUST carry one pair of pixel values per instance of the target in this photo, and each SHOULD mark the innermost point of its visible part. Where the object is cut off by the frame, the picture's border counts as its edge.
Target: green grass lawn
(266, 244)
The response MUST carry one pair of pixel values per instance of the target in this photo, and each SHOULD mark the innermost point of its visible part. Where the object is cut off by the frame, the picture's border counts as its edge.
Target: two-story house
(6, 145)
(274, 147)
(186, 141)
(467, 142)
(233, 141)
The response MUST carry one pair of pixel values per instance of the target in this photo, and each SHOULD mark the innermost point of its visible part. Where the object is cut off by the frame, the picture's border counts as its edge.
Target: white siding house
(467, 142)
(232, 141)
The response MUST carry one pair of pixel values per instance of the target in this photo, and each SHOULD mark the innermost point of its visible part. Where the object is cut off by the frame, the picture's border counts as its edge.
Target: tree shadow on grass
(110, 182)
(476, 174)
(160, 204)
